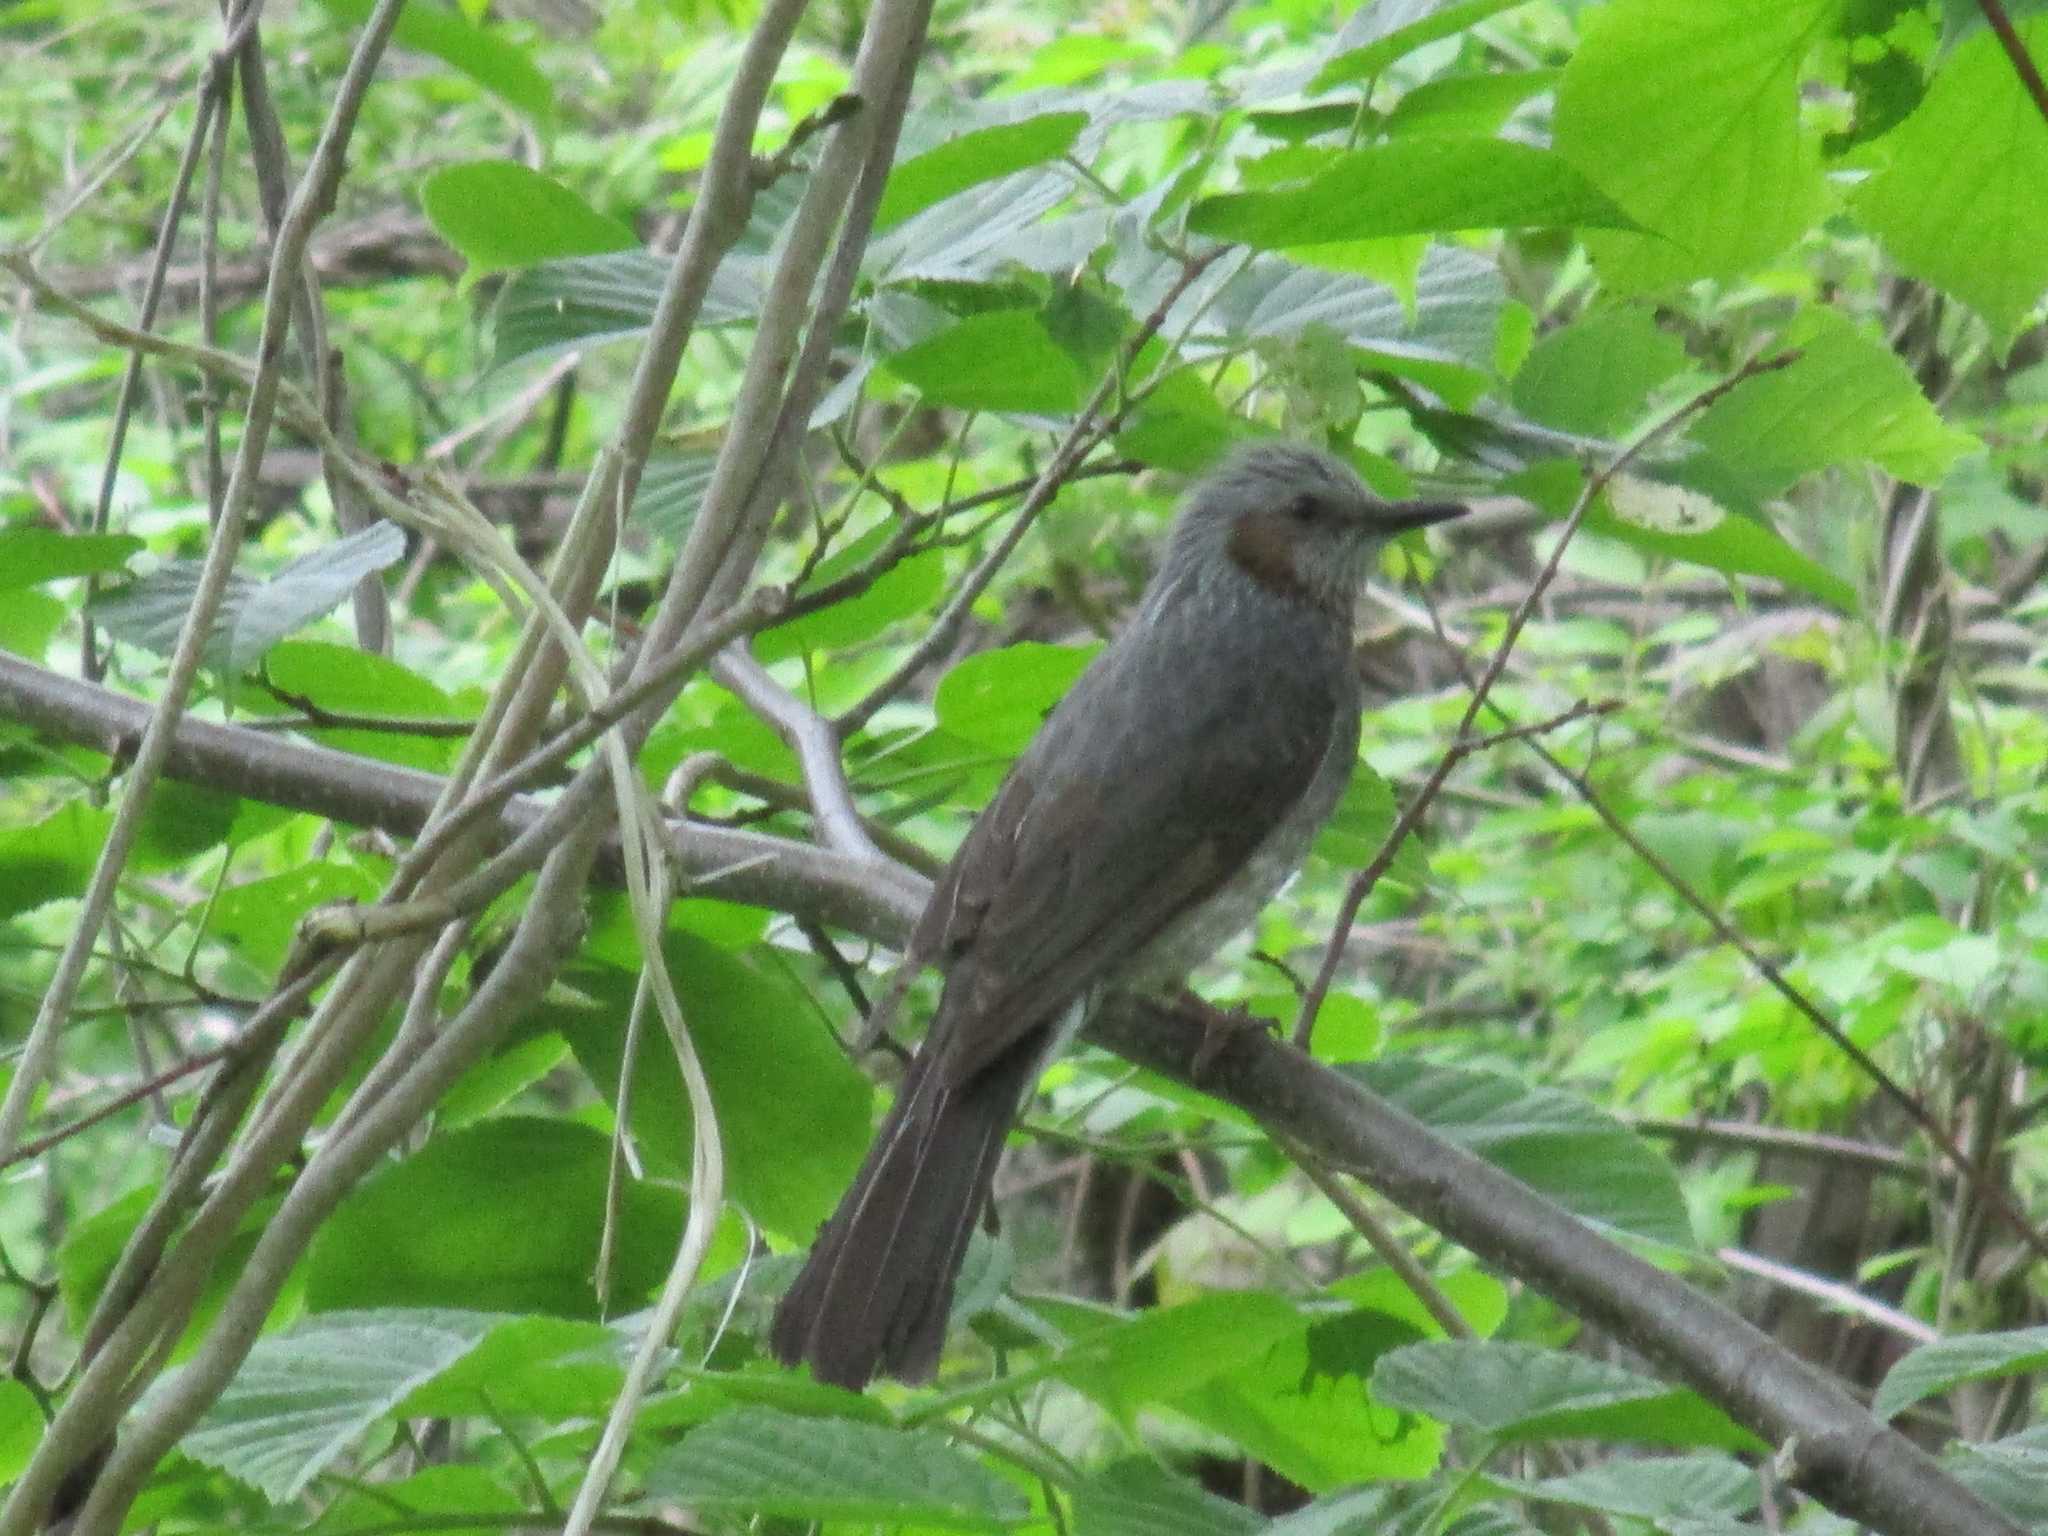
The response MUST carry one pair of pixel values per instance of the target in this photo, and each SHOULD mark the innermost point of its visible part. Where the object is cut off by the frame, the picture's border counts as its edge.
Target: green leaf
(29, 621)
(1003, 360)
(344, 680)
(672, 488)
(1594, 375)
(1168, 1352)
(503, 1215)
(304, 1396)
(763, 1048)
(1655, 1486)
(757, 1461)
(255, 918)
(589, 299)
(21, 1428)
(1948, 1363)
(1961, 201)
(1687, 115)
(499, 214)
(1478, 103)
(1445, 337)
(483, 55)
(1304, 1408)
(254, 614)
(1684, 524)
(1553, 1141)
(1519, 1393)
(1393, 29)
(544, 1366)
(32, 555)
(1358, 828)
(971, 158)
(50, 859)
(908, 587)
(998, 699)
(1142, 1498)
(1847, 397)
(1413, 186)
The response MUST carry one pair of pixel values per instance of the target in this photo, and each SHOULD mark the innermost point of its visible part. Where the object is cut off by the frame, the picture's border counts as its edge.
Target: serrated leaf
(254, 614)
(759, 1461)
(481, 53)
(1948, 1363)
(1688, 117)
(1845, 397)
(976, 233)
(1961, 202)
(672, 488)
(303, 1396)
(1413, 186)
(21, 1428)
(500, 213)
(1594, 375)
(1555, 1142)
(1518, 1393)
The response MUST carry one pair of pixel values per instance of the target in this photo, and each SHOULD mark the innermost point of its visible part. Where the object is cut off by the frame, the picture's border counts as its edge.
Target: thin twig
(2016, 50)
(816, 746)
(1081, 437)
(1363, 882)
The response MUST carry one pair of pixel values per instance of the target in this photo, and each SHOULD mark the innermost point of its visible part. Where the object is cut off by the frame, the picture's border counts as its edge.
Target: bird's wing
(1145, 792)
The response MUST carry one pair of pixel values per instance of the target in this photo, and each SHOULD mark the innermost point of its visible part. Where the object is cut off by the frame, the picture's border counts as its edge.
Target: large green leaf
(1555, 1142)
(763, 1047)
(1381, 34)
(504, 1215)
(1687, 115)
(756, 1461)
(303, 1396)
(1594, 375)
(1413, 186)
(254, 613)
(1004, 360)
(1962, 201)
(1519, 1393)
(980, 155)
(31, 555)
(481, 53)
(1845, 397)
(50, 859)
(499, 213)
(998, 699)
(1142, 1498)
(1948, 1363)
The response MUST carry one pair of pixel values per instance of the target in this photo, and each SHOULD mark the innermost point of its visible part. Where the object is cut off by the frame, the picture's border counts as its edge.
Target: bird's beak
(1400, 516)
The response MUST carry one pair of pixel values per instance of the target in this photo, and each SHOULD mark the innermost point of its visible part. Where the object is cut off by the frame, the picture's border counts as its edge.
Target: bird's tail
(874, 1296)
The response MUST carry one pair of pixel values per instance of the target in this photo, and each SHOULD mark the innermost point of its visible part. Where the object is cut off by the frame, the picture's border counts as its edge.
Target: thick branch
(1839, 1453)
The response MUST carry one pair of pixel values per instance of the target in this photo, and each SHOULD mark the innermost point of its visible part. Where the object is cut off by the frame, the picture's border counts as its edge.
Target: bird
(1163, 802)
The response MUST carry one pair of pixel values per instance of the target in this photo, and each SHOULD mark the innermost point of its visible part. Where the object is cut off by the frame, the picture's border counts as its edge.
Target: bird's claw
(1220, 1026)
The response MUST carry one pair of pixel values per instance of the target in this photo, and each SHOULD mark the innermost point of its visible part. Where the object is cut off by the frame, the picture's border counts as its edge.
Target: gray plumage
(1175, 788)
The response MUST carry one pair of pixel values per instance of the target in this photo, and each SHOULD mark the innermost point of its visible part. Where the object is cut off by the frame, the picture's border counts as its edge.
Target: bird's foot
(1220, 1026)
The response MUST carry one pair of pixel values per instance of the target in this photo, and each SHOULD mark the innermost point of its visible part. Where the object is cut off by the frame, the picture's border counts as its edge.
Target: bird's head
(1295, 521)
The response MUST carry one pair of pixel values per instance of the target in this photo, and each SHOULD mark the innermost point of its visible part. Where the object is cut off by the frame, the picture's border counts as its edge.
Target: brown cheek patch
(1261, 546)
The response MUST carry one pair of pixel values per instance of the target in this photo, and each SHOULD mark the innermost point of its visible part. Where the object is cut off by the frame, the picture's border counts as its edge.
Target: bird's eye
(1304, 509)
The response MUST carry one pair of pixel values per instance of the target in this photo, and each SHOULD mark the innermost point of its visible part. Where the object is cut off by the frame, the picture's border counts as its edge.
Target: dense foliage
(354, 1195)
